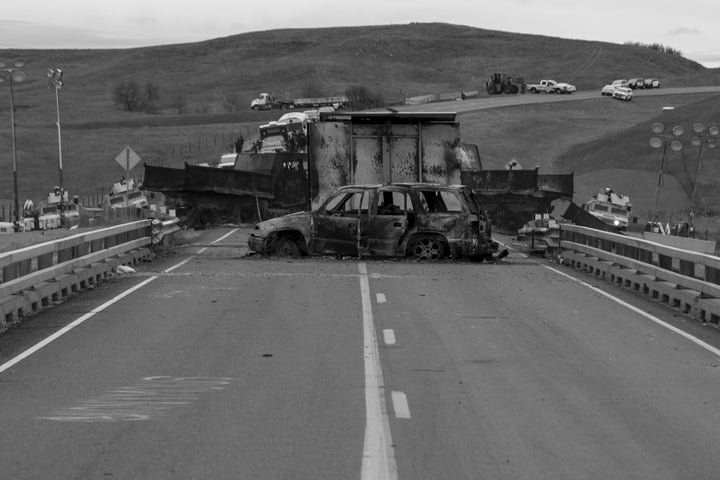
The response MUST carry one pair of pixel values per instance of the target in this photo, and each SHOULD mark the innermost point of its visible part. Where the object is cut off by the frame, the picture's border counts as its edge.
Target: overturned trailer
(355, 148)
(513, 197)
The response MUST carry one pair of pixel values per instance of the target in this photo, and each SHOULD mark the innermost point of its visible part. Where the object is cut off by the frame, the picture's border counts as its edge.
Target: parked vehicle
(651, 83)
(501, 83)
(608, 90)
(550, 86)
(267, 101)
(420, 220)
(612, 208)
(623, 93)
(636, 83)
(125, 194)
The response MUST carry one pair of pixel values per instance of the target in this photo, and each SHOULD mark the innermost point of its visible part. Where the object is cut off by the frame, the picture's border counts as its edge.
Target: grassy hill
(205, 89)
(629, 149)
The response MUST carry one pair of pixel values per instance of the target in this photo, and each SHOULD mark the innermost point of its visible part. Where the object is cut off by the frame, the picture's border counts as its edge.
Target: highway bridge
(213, 364)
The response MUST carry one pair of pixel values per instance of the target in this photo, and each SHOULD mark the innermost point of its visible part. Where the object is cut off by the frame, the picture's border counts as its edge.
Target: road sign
(127, 158)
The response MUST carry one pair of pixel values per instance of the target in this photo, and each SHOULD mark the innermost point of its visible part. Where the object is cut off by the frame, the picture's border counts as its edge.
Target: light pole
(700, 140)
(661, 141)
(55, 78)
(12, 74)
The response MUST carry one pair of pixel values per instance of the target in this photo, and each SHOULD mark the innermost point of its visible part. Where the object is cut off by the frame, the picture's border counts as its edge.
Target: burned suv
(420, 220)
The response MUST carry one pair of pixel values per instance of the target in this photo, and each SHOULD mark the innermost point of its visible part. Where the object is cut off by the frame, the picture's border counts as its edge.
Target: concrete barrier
(683, 243)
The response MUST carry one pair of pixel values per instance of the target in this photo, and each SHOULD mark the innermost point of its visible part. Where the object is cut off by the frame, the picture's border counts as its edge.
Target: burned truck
(354, 148)
(259, 186)
(384, 147)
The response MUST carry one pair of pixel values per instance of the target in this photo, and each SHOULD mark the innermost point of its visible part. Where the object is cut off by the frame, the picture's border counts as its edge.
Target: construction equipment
(501, 83)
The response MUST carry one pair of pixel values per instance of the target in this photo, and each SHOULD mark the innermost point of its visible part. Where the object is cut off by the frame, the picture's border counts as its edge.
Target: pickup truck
(550, 86)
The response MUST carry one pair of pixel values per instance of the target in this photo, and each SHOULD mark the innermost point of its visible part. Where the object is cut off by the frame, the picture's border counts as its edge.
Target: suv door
(336, 227)
(392, 214)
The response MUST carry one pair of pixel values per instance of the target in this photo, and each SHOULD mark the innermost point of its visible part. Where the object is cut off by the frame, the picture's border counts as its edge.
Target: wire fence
(200, 149)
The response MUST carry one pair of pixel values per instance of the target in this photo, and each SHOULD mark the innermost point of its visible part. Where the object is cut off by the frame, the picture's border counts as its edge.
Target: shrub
(361, 98)
(130, 96)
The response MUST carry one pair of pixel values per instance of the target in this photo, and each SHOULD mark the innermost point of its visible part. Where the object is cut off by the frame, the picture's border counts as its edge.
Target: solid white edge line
(70, 326)
(650, 317)
(46, 341)
(378, 461)
(202, 250)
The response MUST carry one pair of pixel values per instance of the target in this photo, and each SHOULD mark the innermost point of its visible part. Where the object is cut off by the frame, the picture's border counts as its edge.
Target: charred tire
(256, 108)
(285, 247)
(427, 247)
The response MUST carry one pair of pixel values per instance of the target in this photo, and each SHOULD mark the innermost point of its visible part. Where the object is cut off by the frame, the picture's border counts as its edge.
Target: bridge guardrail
(34, 276)
(686, 280)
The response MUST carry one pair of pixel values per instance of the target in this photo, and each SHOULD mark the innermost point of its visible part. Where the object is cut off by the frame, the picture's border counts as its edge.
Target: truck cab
(264, 102)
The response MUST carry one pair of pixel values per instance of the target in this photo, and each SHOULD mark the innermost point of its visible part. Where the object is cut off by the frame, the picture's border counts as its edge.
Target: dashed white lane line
(400, 405)
(380, 298)
(378, 462)
(389, 336)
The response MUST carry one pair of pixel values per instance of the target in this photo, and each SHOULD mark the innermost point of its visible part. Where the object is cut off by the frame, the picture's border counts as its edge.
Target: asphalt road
(222, 366)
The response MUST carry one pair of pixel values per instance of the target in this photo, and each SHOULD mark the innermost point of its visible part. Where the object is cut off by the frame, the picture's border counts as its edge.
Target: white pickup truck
(550, 86)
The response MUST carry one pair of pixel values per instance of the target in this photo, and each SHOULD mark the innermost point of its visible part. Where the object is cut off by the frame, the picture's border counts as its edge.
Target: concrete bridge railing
(35, 276)
(689, 281)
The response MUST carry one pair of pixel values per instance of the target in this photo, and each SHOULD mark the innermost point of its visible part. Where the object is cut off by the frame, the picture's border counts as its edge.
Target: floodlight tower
(55, 79)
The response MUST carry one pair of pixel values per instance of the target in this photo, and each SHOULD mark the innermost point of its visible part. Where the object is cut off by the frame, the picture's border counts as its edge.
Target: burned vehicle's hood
(295, 221)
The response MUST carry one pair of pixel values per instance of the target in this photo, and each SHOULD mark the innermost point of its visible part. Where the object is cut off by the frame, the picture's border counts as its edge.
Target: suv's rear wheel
(427, 247)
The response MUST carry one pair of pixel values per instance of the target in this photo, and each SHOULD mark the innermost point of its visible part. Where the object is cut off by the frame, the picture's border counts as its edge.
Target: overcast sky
(690, 26)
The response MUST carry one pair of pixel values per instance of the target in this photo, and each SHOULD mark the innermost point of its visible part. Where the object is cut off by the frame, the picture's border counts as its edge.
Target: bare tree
(231, 102)
(361, 97)
(132, 97)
